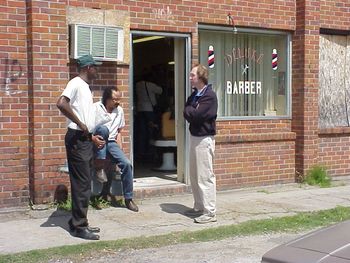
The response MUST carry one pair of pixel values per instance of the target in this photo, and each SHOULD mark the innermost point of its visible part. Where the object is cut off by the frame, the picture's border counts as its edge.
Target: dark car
(326, 245)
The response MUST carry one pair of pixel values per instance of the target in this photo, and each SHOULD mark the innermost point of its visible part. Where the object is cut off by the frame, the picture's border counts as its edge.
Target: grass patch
(299, 222)
(99, 202)
(318, 176)
(67, 205)
(94, 202)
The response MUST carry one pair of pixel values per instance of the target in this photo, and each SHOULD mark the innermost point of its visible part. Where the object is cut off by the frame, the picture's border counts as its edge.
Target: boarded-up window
(334, 95)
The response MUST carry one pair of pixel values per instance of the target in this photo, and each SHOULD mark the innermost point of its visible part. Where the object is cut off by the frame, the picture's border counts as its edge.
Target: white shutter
(102, 42)
(97, 42)
(112, 42)
(83, 41)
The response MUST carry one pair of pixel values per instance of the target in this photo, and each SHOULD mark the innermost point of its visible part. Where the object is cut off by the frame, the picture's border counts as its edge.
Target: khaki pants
(203, 181)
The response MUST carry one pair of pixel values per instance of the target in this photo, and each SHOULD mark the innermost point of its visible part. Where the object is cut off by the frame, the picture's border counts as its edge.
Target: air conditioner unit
(102, 42)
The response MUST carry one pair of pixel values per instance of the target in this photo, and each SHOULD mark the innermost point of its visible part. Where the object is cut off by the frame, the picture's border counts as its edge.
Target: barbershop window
(249, 71)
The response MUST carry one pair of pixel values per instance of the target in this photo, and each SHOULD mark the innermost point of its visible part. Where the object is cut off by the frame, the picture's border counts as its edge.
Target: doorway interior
(158, 140)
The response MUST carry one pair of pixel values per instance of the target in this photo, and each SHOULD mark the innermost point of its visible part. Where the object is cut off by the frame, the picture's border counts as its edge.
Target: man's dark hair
(107, 94)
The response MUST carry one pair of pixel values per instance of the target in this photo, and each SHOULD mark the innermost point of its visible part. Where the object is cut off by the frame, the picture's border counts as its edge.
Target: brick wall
(183, 15)
(334, 14)
(243, 170)
(14, 157)
(260, 152)
(305, 83)
(254, 159)
(48, 58)
(334, 150)
(251, 153)
(230, 171)
(123, 86)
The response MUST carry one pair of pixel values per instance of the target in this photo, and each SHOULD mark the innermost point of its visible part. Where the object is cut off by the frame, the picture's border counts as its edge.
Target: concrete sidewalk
(44, 229)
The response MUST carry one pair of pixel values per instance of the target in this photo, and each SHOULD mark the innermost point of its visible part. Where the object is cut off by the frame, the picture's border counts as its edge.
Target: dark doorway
(154, 140)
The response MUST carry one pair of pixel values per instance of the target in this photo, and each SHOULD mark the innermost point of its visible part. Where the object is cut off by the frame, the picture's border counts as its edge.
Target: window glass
(248, 72)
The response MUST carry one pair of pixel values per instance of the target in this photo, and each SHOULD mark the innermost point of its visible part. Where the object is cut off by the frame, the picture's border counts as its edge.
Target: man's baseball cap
(87, 60)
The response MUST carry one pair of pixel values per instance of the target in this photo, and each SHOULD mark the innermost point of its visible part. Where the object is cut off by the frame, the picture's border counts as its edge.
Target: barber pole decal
(211, 57)
(274, 59)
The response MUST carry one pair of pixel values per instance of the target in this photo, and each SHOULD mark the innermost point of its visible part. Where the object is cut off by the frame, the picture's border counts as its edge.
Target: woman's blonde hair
(202, 73)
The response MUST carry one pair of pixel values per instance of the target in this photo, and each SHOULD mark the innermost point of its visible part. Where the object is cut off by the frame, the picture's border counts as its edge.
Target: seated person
(109, 132)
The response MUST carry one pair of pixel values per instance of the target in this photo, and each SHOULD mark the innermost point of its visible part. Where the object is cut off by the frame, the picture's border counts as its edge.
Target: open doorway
(159, 74)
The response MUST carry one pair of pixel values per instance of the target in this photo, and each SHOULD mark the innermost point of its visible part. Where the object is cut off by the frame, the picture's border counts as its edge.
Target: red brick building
(273, 66)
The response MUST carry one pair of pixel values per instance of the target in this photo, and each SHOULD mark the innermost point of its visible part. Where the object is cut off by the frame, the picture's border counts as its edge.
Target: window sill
(255, 137)
(334, 130)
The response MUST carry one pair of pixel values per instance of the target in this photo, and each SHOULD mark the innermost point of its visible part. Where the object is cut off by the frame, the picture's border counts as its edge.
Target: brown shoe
(129, 203)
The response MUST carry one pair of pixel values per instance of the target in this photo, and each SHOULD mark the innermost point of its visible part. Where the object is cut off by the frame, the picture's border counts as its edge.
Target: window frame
(288, 115)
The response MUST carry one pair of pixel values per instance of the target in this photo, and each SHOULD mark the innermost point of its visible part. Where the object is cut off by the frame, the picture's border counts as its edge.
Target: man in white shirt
(109, 132)
(77, 105)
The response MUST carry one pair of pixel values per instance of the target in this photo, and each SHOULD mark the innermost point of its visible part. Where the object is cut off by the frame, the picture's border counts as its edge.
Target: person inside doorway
(148, 117)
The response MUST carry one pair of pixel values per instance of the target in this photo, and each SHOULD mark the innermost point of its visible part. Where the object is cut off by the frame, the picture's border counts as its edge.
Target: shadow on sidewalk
(173, 208)
(58, 218)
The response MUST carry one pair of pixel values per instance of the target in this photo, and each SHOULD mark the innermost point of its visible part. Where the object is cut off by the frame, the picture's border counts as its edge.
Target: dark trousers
(144, 131)
(80, 160)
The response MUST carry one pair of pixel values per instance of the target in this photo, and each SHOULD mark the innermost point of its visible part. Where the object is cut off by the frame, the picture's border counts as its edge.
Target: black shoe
(84, 233)
(71, 227)
(129, 203)
(93, 229)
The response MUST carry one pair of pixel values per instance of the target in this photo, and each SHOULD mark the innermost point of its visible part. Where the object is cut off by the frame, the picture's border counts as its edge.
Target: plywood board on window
(334, 95)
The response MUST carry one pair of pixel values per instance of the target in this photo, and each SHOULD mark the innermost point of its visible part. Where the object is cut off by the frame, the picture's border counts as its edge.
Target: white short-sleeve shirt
(81, 102)
(144, 101)
(117, 122)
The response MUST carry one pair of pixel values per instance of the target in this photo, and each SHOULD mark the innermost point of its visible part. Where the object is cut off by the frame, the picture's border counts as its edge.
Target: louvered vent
(103, 43)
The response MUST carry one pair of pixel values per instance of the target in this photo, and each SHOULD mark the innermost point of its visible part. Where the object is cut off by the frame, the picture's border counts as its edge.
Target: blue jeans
(118, 157)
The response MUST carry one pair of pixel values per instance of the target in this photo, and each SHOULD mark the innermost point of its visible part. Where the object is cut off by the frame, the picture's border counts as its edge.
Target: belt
(81, 134)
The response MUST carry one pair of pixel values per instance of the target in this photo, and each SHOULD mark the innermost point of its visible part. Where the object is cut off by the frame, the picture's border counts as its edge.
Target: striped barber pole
(274, 59)
(211, 57)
